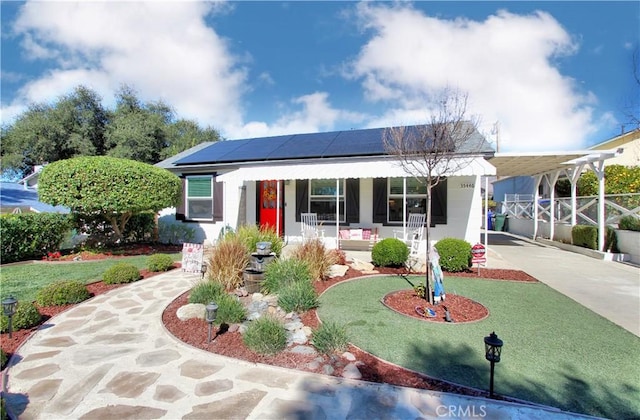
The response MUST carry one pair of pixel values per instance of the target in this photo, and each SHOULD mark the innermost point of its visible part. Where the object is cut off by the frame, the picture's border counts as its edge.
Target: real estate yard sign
(192, 255)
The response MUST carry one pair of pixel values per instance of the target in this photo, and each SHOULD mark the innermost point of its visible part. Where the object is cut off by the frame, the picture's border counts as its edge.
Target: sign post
(478, 252)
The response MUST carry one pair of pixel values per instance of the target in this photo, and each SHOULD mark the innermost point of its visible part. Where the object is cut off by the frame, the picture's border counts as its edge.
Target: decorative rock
(362, 265)
(337, 270)
(303, 350)
(297, 337)
(234, 327)
(293, 325)
(328, 369)
(307, 331)
(351, 372)
(257, 296)
(349, 356)
(191, 310)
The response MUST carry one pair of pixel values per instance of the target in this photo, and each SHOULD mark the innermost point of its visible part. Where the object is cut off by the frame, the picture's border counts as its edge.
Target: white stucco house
(345, 177)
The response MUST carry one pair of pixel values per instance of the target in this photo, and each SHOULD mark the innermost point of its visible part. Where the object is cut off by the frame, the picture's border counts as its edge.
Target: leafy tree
(428, 152)
(618, 179)
(184, 134)
(112, 187)
(73, 126)
(78, 125)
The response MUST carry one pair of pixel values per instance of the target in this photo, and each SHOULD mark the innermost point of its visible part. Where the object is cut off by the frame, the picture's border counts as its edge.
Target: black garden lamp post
(9, 309)
(211, 311)
(492, 348)
(203, 269)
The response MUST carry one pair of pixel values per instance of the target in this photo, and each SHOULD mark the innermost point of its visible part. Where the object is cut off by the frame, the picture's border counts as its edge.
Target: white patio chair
(414, 230)
(309, 227)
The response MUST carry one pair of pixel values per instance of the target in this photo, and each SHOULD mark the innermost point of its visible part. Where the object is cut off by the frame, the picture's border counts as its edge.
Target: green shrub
(31, 235)
(26, 316)
(230, 309)
(265, 335)
(206, 291)
(226, 262)
(318, 259)
(298, 297)
(250, 235)
(283, 272)
(159, 262)
(420, 290)
(455, 254)
(121, 273)
(171, 231)
(62, 293)
(389, 252)
(611, 240)
(330, 338)
(585, 236)
(629, 223)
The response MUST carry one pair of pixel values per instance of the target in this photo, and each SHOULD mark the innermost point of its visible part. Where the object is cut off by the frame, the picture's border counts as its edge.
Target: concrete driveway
(608, 288)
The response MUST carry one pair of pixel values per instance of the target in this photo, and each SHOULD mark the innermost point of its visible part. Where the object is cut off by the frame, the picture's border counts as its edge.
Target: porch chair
(413, 232)
(309, 227)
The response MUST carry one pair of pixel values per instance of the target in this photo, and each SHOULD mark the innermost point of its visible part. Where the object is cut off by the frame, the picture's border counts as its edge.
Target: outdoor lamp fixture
(492, 348)
(203, 269)
(211, 311)
(9, 309)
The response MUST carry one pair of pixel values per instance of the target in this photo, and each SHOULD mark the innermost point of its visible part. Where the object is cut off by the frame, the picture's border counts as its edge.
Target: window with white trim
(416, 199)
(322, 199)
(199, 197)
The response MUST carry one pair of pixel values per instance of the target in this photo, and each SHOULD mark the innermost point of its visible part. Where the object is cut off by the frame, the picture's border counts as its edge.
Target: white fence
(616, 206)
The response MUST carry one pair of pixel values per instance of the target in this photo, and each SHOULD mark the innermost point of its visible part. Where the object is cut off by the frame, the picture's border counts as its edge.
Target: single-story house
(345, 177)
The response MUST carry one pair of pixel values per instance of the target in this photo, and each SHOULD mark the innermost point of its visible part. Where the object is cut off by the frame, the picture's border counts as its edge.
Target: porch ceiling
(344, 169)
(530, 164)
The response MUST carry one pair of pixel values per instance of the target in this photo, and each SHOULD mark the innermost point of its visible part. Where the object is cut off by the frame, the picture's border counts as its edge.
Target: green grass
(24, 280)
(556, 352)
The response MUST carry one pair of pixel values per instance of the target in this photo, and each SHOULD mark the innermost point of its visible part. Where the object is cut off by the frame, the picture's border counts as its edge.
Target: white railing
(519, 205)
(616, 206)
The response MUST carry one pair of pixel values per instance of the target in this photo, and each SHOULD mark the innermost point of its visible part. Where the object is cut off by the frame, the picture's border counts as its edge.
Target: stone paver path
(110, 357)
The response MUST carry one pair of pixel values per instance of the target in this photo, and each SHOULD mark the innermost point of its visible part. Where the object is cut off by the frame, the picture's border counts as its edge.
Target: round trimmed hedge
(455, 254)
(159, 262)
(26, 316)
(62, 293)
(390, 252)
(121, 273)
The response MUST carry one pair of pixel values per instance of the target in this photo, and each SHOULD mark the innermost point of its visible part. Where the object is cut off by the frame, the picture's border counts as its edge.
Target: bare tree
(429, 152)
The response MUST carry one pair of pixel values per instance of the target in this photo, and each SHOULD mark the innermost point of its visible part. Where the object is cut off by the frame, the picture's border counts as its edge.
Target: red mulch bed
(228, 343)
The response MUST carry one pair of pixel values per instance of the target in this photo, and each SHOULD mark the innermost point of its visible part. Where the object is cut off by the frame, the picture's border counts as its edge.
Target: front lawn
(24, 280)
(556, 352)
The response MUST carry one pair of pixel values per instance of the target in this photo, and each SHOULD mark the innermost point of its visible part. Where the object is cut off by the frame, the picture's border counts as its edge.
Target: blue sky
(556, 75)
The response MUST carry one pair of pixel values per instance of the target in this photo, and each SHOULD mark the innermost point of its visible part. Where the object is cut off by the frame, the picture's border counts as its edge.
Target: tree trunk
(428, 295)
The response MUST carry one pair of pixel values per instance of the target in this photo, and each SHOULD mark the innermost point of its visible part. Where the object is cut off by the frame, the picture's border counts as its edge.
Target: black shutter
(380, 200)
(439, 204)
(180, 209)
(218, 201)
(302, 197)
(352, 200)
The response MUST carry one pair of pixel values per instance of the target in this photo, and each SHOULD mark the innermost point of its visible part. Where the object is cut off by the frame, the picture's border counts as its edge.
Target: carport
(549, 167)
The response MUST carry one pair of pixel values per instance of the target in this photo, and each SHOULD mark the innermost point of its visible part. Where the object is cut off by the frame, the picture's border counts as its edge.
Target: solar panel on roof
(304, 145)
(357, 143)
(211, 154)
(256, 149)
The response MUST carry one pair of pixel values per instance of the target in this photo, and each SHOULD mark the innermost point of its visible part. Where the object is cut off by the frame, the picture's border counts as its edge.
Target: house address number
(470, 185)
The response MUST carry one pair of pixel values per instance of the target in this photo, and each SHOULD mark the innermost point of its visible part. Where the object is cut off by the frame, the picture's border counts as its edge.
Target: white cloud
(504, 63)
(311, 113)
(163, 50)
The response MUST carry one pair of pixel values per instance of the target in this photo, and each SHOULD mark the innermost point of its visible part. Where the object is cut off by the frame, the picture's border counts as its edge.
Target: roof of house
(351, 143)
(14, 195)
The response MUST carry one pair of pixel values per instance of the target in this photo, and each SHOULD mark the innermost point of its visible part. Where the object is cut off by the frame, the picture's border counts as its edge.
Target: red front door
(271, 214)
